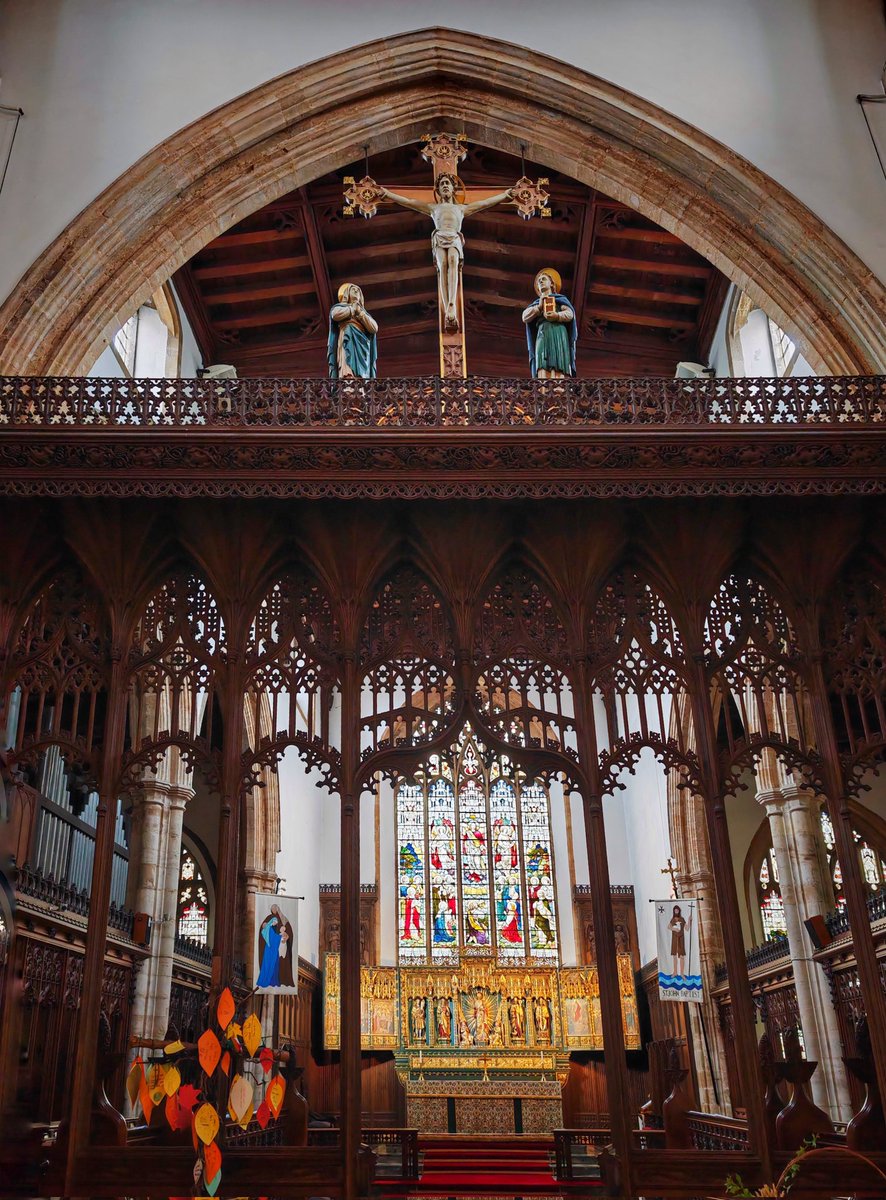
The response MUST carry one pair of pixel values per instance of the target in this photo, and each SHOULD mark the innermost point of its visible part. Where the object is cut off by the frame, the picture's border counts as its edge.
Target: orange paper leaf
(252, 1034)
(212, 1161)
(225, 1009)
(175, 1114)
(226, 1063)
(209, 1051)
(275, 1094)
(144, 1099)
(206, 1123)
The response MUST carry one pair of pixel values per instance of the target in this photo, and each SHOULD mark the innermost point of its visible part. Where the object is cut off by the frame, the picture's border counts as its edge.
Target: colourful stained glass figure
(412, 930)
(444, 870)
(541, 903)
(509, 912)
(474, 857)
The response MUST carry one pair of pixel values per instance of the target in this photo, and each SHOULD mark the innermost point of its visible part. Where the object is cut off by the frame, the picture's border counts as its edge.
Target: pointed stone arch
(289, 131)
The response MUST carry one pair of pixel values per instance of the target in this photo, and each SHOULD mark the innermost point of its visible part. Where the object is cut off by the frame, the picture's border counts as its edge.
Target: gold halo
(554, 277)
(343, 291)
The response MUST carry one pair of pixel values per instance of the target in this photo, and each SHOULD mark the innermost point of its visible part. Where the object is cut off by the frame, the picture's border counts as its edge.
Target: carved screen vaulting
(474, 862)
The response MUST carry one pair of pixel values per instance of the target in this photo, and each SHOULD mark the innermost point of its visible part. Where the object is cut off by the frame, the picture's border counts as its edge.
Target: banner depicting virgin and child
(275, 963)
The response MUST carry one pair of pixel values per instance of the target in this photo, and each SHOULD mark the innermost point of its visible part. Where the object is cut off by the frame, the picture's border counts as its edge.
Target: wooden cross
(447, 205)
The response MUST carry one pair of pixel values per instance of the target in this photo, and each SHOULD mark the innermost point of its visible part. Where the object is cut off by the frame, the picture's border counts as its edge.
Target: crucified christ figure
(447, 240)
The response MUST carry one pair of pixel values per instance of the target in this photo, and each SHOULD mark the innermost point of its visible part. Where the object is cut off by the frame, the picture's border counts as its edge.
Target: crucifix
(671, 870)
(447, 205)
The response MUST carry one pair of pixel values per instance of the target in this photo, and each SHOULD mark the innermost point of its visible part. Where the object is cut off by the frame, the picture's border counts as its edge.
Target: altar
(478, 1047)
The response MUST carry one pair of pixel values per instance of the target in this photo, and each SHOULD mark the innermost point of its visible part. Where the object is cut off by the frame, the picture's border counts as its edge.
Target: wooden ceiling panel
(259, 295)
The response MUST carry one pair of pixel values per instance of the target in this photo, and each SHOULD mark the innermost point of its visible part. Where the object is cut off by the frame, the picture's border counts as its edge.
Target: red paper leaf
(266, 1058)
(188, 1096)
(175, 1114)
(212, 1161)
(263, 1114)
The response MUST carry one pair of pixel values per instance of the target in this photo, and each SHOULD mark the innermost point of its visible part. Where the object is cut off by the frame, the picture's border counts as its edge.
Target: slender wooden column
(228, 852)
(837, 803)
(350, 929)
(614, 1060)
(97, 927)
(730, 917)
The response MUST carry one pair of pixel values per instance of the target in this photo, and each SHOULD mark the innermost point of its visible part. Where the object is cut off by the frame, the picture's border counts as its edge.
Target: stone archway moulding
(315, 119)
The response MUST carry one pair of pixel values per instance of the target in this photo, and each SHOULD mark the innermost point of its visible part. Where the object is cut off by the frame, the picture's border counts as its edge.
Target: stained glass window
(193, 902)
(769, 895)
(473, 835)
(871, 857)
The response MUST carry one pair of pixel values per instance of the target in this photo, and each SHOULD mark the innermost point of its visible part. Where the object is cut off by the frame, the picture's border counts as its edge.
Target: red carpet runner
(454, 1165)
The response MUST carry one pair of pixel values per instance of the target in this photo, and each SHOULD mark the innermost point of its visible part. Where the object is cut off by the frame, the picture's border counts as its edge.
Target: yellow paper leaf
(155, 1078)
(225, 1009)
(233, 1031)
(252, 1034)
(209, 1051)
(174, 1048)
(239, 1097)
(171, 1081)
(246, 1118)
(206, 1123)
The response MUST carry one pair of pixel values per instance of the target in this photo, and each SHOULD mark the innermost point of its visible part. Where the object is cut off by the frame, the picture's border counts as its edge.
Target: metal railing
(431, 401)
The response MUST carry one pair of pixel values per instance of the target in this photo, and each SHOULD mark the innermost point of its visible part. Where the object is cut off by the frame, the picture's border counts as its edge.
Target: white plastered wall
(101, 82)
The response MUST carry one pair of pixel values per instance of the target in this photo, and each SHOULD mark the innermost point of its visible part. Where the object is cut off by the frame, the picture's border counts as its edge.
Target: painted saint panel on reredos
(275, 961)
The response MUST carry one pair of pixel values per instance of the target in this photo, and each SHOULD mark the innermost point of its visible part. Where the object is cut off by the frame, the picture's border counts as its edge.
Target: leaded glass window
(769, 896)
(193, 901)
(871, 857)
(474, 862)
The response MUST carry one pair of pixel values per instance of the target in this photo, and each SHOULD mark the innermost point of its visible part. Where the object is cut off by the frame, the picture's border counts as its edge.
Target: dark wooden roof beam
(601, 287)
(261, 267)
(653, 267)
(632, 317)
(249, 295)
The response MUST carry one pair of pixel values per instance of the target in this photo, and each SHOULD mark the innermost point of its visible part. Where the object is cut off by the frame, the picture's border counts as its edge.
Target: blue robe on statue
(359, 349)
(552, 344)
(269, 972)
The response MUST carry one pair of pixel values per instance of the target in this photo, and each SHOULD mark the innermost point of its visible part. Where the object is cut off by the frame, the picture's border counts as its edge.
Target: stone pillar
(793, 820)
(157, 818)
(704, 1019)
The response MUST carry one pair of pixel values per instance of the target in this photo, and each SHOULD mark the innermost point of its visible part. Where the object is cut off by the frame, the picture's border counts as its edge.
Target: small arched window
(769, 896)
(758, 346)
(192, 918)
(148, 345)
(872, 857)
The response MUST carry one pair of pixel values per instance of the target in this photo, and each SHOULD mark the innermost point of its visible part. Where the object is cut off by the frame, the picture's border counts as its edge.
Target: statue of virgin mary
(352, 346)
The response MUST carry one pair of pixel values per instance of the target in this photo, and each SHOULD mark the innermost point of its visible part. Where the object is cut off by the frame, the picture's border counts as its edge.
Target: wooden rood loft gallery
(259, 295)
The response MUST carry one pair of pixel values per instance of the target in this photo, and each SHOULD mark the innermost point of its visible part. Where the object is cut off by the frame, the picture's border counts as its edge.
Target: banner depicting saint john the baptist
(275, 962)
(679, 965)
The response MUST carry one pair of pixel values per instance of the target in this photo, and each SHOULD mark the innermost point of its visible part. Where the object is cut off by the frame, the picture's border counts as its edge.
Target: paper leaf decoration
(246, 1118)
(275, 1094)
(225, 1009)
(226, 1063)
(266, 1058)
(144, 1099)
(239, 1098)
(252, 1034)
(263, 1114)
(209, 1051)
(135, 1079)
(188, 1097)
(176, 1116)
(212, 1161)
(233, 1032)
(155, 1076)
(174, 1048)
(211, 1185)
(206, 1123)
(171, 1080)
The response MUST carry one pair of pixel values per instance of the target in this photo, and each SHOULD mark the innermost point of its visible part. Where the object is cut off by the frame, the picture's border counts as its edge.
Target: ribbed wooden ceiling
(259, 295)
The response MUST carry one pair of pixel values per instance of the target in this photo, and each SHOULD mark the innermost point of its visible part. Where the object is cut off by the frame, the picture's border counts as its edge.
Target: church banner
(679, 963)
(275, 956)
